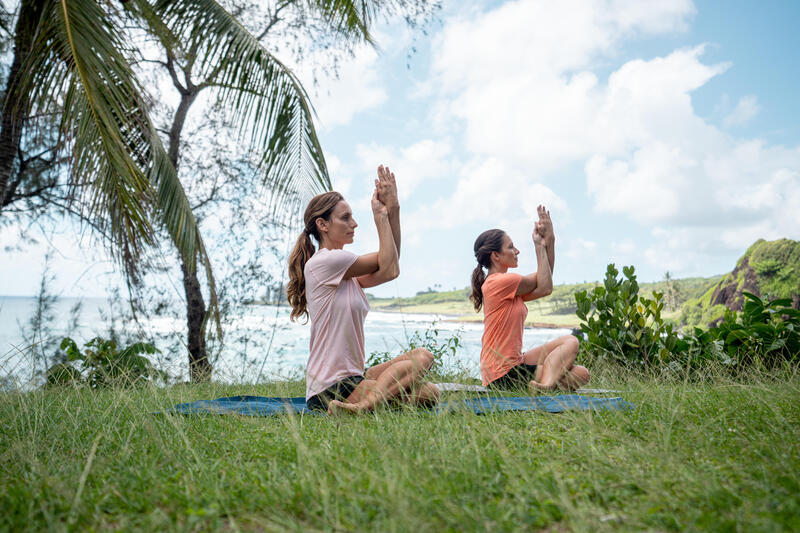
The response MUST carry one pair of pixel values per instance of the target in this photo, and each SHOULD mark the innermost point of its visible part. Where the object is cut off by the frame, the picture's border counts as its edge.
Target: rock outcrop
(769, 269)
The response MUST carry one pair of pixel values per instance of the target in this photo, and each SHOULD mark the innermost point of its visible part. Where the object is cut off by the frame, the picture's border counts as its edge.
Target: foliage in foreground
(691, 456)
(103, 365)
(624, 327)
(446, 364)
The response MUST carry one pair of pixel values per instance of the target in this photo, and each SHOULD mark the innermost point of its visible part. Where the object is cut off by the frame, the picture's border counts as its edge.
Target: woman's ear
(494, 257)
(322, 225)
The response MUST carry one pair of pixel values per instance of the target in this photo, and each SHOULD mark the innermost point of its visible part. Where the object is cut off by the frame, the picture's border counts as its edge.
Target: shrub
(765, 333)
(428, 339)
(104, 365)
(622, 326)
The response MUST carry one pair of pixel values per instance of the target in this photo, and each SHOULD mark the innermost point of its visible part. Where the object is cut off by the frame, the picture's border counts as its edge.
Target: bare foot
(535, 386)
(335, 407)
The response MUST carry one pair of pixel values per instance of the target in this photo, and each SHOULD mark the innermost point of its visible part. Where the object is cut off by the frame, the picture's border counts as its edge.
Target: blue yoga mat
(264, 406)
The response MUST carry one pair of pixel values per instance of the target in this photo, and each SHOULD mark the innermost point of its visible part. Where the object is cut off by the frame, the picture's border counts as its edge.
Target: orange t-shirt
(503, 321)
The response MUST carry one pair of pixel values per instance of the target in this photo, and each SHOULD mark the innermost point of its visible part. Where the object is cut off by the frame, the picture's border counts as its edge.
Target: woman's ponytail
(321, 206)
(296, 289)
(478, 277)
(487, 242)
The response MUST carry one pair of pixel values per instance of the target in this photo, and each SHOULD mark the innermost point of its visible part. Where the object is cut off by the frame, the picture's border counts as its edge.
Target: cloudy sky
(662, 134)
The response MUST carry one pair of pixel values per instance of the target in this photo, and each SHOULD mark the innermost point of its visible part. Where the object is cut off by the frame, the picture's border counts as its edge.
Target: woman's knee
(581, 374)
(570, 342)
(422, 357)
(429, 394)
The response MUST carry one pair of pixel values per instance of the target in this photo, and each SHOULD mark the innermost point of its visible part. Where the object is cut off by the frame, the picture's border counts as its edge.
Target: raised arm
(548, 234)
(387, 193)
(543, 279)
(386, 262)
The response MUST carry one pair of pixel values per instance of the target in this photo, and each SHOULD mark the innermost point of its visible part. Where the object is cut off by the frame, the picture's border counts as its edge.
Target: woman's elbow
(388, 274)
(540, 292)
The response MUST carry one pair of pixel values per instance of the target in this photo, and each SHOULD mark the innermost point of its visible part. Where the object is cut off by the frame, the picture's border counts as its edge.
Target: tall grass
(718, 455)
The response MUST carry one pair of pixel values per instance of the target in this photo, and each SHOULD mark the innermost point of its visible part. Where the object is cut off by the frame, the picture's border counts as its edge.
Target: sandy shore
(449, 314)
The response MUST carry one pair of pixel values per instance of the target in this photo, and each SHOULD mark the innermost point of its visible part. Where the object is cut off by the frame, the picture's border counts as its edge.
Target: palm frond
(262, 95)
(354, 18)
(80, 66)
(348, 17)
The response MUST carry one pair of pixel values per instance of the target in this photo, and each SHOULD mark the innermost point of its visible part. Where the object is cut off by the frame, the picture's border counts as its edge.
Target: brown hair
(487, 242)
(321, 206)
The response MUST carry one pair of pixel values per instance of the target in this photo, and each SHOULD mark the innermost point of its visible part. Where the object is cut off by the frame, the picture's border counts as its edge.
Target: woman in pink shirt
(328, 285)
(502, 295)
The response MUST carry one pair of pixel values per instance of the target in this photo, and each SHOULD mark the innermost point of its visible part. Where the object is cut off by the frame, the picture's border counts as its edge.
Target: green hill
(769, 269)
(558, 309)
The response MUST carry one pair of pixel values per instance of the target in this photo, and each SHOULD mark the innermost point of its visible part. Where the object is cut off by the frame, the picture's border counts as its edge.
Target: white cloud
(357, 88)
(747, 108)
(489, 192)
(412, 165)
(523, 86)
(623, 247)
(580, 249)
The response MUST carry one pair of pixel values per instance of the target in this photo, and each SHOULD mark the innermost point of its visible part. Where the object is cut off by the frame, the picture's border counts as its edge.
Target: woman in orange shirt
(502, 295)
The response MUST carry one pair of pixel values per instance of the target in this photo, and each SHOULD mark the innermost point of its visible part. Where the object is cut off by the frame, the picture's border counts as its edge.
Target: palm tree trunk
(199, 365)
(16, 104)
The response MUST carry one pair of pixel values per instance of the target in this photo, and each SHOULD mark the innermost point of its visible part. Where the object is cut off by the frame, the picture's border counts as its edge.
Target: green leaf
(262, 96)
(736, 336)
(118, 167)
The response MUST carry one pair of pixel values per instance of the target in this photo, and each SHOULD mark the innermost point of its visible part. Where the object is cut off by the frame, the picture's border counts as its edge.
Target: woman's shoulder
(324, 255)
(501, 285)
(502, 278)
(328, 264)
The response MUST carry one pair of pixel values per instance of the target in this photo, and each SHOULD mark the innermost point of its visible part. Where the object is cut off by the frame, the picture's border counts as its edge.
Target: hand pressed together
(387, 188)
(546, 225)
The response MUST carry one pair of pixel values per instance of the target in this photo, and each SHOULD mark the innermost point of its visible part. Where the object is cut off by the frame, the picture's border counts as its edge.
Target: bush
(764, 333)
(622, 326)
(104, 365)
(428, 339)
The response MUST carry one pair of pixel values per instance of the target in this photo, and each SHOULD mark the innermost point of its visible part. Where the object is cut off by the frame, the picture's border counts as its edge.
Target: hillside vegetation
(768, 269)
(558, 309)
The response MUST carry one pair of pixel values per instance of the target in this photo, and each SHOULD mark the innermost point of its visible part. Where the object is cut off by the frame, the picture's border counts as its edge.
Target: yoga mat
(456, 387)
(264, 406)
(550, 404)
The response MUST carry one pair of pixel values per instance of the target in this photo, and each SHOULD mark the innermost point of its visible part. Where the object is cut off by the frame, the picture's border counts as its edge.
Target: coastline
(535, 321)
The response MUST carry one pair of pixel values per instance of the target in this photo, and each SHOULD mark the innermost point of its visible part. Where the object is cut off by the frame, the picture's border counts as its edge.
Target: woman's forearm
(388, 262)
(551, 254)
(394, 222)
(544, 276)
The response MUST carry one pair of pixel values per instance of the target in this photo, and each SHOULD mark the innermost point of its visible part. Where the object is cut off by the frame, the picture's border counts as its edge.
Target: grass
(718, 455)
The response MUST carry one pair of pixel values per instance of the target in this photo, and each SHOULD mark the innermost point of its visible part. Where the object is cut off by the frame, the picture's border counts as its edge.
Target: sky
(662, 134)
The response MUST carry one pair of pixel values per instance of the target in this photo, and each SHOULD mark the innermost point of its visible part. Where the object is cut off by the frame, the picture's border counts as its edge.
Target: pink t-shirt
(337, 309)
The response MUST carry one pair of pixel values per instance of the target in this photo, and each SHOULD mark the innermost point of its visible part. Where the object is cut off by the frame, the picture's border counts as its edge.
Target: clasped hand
(543, 228)
(384, 198)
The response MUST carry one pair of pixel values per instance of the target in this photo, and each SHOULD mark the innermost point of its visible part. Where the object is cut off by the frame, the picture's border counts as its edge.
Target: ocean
(261, 344)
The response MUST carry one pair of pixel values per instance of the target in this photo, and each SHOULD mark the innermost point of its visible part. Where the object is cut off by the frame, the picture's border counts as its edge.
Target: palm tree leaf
(80, 69)
(352, 19)
(262, 95)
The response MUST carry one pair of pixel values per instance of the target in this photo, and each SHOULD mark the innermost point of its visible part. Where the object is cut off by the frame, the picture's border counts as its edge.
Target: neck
(497, 269)
(330, 245)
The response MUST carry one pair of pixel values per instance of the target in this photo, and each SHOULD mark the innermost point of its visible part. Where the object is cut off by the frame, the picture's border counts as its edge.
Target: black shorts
(338, 391)
(516, 378)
